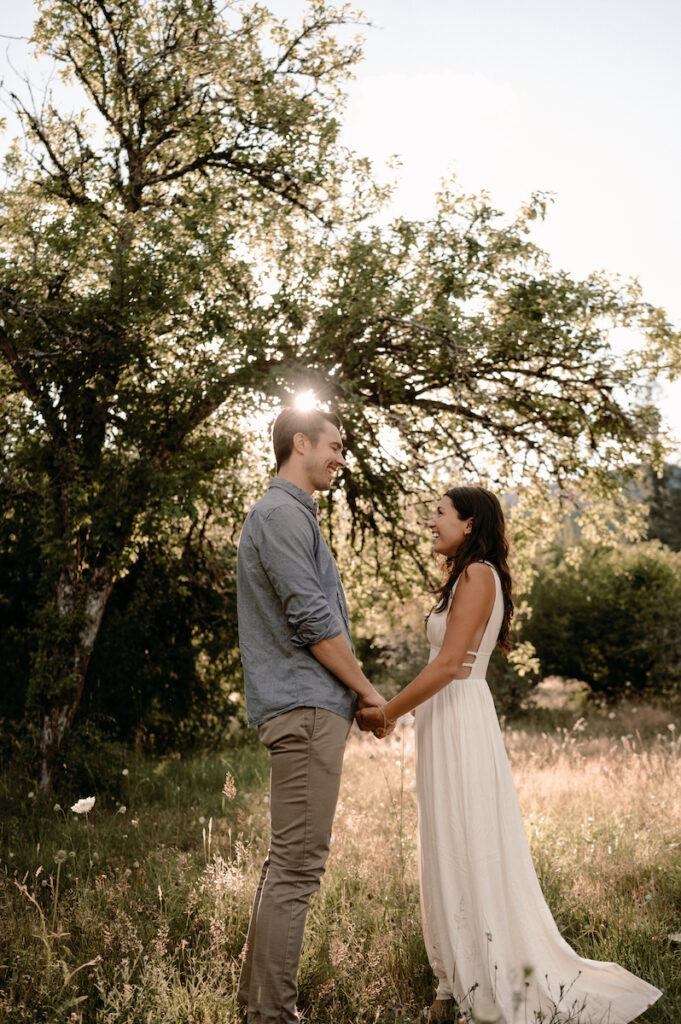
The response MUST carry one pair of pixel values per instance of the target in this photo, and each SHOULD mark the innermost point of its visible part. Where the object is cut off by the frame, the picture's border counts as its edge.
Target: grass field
(136, 914)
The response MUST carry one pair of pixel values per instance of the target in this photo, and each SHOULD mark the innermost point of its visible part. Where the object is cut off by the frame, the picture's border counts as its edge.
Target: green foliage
(663, 493)
(511, 687)
(165, 672)
(194, 245)
(165, 669)
(609, 617)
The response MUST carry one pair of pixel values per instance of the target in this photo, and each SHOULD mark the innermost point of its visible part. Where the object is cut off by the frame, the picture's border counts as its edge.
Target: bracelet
(386, 721)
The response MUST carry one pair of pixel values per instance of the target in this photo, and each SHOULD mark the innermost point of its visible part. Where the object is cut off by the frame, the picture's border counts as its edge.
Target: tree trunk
(59, 717)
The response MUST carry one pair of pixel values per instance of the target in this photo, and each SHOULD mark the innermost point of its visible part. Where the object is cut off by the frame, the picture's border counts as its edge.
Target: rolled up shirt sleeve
(285, 541)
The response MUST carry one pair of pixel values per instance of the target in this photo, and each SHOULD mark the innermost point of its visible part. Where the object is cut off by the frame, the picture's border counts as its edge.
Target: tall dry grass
(144, 919)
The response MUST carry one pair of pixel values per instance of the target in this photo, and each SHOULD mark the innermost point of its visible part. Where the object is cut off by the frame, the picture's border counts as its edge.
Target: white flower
(57, 807)
(122, 809)
(125, 772)
(485, 1011)
(84, 805)
(31, 795)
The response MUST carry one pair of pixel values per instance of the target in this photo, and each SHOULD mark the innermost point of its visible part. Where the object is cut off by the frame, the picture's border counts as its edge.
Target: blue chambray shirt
(289, 595)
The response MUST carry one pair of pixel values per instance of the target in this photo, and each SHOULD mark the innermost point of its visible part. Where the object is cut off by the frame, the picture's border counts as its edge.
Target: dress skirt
(487, 927)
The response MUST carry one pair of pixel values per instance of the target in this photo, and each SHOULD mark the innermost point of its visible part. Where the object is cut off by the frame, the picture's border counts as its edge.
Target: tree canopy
(196, 244)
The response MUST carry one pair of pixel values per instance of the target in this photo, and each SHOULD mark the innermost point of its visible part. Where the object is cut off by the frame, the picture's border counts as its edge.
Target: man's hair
(293, 421)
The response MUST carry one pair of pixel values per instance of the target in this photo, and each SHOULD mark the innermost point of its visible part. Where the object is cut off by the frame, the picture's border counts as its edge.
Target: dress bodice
(477, 661)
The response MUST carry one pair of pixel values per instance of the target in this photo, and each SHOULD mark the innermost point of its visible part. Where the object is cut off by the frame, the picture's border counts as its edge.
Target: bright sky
(575, 97)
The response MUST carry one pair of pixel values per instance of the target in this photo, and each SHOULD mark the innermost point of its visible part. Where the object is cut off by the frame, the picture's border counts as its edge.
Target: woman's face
(448, 528)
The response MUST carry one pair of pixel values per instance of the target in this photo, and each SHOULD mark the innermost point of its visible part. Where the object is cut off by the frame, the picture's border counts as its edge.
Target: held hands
(370, 717)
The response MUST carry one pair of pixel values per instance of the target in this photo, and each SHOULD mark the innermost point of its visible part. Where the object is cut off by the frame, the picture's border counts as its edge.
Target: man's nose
(340, 460)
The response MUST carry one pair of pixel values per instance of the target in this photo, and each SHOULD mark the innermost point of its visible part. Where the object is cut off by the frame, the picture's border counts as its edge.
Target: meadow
(135, 913)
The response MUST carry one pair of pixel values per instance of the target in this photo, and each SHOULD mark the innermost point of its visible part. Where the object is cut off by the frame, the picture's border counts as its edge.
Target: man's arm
(285, 543)
(335, 655)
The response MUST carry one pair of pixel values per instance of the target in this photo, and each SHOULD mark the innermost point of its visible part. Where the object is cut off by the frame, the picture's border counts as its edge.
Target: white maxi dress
(485, 921)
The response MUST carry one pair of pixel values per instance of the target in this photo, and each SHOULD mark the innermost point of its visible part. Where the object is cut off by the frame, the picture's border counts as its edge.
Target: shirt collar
(296, 492)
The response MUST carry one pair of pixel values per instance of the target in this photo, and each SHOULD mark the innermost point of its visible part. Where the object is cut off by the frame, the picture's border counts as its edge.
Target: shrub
(610, 617)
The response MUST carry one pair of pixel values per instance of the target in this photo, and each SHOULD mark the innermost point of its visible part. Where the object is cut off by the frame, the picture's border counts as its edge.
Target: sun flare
(305, 401)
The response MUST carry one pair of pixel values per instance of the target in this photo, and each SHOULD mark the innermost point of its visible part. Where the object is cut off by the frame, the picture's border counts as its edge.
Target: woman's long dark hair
(486, 542)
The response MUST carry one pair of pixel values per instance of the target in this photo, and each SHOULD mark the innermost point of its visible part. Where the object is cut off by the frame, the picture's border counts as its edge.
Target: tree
(198, 249)
(130, 304)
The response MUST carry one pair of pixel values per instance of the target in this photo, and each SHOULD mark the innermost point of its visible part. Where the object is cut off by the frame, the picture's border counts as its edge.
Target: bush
(512, 686)
(610, 617)
(165, 670)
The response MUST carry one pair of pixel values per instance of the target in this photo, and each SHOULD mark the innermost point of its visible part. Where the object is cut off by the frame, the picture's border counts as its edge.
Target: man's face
(323, 460)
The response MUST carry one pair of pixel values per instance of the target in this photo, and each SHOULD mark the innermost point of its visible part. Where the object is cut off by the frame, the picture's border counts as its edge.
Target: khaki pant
(306, 748)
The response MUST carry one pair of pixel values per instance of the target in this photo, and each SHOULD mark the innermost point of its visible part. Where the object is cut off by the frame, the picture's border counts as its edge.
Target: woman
(488, 931)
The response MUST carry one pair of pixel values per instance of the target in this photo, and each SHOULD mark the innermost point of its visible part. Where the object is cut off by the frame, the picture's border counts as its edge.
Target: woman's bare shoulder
(479, 571)
(478, 576)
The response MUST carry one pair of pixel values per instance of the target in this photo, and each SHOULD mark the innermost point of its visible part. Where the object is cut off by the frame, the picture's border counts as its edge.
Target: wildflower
(31, 795)
(84, 805)
(57, 808)
(202, 820)
(611, 714)
(60, 856)
(125, 772)
(134, 822)
(229, 788)
(671, 727)
(72, 854)
(122, 809)
(485, 1011)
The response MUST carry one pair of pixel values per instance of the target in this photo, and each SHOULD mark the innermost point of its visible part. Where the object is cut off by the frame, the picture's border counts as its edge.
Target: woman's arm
(471, 608)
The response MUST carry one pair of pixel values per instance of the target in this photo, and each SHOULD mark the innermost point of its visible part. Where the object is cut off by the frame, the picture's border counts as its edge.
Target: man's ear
(300, 442)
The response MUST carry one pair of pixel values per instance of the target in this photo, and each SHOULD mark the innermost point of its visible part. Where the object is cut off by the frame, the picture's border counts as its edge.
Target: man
(303, 683)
